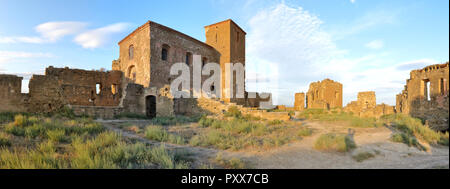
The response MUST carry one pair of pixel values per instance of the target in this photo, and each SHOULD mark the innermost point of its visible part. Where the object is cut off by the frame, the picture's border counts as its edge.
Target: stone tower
(229, 39)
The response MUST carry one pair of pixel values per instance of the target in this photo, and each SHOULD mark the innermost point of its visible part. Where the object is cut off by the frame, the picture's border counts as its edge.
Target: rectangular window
(114, 88)
(97, 88)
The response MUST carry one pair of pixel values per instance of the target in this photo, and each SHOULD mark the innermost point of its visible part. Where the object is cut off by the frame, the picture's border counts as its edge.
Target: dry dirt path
(301, 154)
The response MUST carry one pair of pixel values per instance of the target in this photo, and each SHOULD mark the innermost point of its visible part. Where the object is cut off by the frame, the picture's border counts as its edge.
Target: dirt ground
(302, 155)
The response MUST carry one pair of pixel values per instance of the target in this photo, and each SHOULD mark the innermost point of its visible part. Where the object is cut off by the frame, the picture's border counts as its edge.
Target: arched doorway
(150, 106)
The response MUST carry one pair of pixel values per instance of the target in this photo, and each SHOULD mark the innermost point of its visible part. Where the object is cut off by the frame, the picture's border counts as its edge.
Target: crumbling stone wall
(426, 96)
(325, 94)
(366, 106)
(64, 86)
(299, 103)
(11, 97)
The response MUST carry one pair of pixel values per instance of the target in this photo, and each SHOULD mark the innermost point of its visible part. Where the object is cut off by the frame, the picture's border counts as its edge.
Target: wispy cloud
(288, 48)
(98, 37)
(54, 31)
(375, 44)
(352, 1)
(49, 32)
(369, 20)
(6, 56)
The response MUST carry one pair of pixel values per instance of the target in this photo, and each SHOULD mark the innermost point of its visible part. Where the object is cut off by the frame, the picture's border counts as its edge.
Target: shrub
(4, 139)
(413, 127)
(304, 132)
(334, 142)
(233, 111)
(407, 139)
(363, 156)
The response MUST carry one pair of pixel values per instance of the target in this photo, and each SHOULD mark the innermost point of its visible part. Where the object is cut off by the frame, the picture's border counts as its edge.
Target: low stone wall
(106, 112)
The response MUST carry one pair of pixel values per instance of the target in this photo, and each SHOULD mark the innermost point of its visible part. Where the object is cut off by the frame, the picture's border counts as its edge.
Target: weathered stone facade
(11, 97)
(324, 94)
(299, 103)
(426, 96)
(366, 106)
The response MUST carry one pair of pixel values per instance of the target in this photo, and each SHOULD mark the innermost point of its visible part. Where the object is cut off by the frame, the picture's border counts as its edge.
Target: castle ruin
(366, 106)
(324, 94)
(426, 96)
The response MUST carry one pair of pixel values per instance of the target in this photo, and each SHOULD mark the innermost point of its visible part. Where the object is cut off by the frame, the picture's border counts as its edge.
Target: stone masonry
(366, 106)
(426, 96)
(324, 94)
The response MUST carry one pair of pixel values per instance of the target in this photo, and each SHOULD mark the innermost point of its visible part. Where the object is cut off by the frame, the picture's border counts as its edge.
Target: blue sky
(364, 44)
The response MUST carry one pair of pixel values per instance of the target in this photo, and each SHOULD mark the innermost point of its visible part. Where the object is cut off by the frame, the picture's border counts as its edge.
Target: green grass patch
(55, 142)
(334, 116)
(158, 133)
(410, 126)
(334, 142)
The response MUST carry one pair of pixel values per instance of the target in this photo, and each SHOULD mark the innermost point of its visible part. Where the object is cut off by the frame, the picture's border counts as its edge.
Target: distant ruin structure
(299, 103)
(366, 106)
(426, 96)
(324, 94)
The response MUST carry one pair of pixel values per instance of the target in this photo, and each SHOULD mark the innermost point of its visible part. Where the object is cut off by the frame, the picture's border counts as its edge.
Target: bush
(407, 139)
(233, 111)
(334, 142)
(413, 127)
(304, 132)
(360, 157)
(4, 139)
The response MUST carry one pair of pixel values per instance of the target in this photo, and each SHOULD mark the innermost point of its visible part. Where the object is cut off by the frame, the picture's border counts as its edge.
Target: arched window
(132, 72)
(165, 52)
(131, 52)
(188, 58)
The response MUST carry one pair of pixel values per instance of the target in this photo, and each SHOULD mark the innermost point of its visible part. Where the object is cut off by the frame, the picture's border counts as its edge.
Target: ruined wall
(60, 87)
(324, 94)
(299, 103)
(366, 106)
(11, 98)
(426, 96)
(228, 39)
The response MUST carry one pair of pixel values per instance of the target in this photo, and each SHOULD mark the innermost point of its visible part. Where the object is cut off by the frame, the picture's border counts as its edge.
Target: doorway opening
(150, 106)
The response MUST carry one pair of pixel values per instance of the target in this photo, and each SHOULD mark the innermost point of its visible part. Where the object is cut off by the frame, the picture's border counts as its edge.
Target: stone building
(426, 96)
(324, 94)
(147, 54)
(140, 78)
(366, 106)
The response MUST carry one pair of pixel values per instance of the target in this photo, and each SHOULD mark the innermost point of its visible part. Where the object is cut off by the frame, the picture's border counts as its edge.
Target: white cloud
(288, 46)
(6, 56)
(49, 32)
(287, 49)
(98, 37)
(352, 1)
(53, 31)
(375, 44)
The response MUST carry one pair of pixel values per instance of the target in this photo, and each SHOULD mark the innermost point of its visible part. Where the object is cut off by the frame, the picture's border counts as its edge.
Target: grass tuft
(334, 142)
